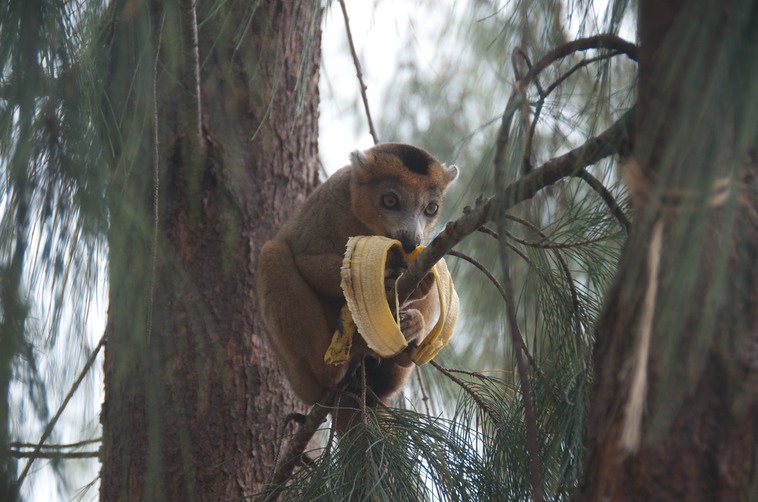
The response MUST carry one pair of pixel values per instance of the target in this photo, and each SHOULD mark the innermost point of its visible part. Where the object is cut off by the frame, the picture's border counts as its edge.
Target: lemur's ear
(358, 159)
(452, 173)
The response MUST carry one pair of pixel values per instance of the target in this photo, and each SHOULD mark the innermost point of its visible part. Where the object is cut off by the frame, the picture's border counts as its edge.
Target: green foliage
(53, 212)
(476, 454)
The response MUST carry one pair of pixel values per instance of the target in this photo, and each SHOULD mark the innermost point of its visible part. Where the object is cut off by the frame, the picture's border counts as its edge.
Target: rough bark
(699, 421)
(194, 399)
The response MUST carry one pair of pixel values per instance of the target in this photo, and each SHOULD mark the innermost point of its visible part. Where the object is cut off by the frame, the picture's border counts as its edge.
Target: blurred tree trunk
(698, 430)
(194, 399)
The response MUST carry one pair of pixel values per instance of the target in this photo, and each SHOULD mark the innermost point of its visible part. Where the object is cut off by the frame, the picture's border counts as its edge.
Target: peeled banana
(367, 308)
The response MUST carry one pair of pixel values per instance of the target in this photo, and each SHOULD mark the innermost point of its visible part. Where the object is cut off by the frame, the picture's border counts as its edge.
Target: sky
(380, 31)
(376, 35)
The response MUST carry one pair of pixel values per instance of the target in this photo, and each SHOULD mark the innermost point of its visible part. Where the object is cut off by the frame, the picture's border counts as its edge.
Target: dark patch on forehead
(415, 159)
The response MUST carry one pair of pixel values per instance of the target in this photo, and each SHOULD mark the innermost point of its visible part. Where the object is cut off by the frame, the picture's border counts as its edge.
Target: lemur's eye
(390, 201)
(431, 209)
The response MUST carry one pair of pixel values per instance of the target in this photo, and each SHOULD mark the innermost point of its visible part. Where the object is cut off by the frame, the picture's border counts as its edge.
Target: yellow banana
(363, 285)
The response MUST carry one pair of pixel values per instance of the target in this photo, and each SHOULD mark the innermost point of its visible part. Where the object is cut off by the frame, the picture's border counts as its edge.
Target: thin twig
(607, 197)
(49, 428)
(484, 406)
(492, 233)
(424, 397)
(487, 230)
(53, 454)
(526, 163)
(605, 41)
(364, 423)
(21, 446)
(192, 104)
(581, 64)
(518, 51)
(566, 272)
(297, 444)
(156, 187)
(546, 244)
(332, 429)
(292, 417)
(530, 416)
(517, 97)
(359, 73)
(500, 289)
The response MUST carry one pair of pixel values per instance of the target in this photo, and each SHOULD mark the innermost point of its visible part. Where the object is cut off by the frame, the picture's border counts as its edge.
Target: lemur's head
(397, 191)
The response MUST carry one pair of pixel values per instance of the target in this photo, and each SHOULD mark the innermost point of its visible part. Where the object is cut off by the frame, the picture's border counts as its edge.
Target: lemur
(393, 190)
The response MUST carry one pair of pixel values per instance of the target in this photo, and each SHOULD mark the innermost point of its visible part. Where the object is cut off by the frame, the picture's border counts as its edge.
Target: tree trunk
(688, 276)
(194, 399)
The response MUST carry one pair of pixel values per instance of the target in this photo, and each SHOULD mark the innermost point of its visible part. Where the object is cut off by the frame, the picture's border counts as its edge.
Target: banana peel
(368, 311)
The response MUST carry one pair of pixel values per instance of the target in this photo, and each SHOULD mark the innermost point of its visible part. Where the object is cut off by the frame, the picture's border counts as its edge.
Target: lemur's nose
(408, 242)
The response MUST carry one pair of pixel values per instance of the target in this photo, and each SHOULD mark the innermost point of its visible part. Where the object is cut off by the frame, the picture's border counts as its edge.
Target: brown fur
(299, 271)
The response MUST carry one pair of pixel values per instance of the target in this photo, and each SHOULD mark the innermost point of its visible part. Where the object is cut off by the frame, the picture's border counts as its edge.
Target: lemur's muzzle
(409, 241)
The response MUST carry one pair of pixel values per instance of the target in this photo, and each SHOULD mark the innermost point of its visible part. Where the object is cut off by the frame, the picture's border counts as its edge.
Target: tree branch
(544, 93)
(484, 406)
(21, 446)
(53, 454)
(296, 446)
(611, 141)
(49, 429)
(500, 290)
(530, 415)
(359, 73)
(518, 96)
(566, 272)
(191, 106)
(607, 198)
(605, 41)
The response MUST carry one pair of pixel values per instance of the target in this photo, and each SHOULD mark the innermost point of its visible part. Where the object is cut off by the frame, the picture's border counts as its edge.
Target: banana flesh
(367, 308)
(339, 350)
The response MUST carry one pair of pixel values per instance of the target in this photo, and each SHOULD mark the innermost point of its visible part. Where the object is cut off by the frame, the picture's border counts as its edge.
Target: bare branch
(517, 97)
(492, 233)
(607, 198)
(613, 140)
(21, 446)
(53, 454)
(297, 445)
(581, 64)
(49, 428)
(545, 243)
(484, 406)
(502, 292)
(530, 416)
(580, 314)
(156, 185)
(544, 93)
(191, 105)
(359, 73)
(424, 396)
(607, 41)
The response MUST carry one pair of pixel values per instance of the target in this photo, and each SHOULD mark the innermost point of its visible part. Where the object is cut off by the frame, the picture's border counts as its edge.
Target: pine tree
(607, 275)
